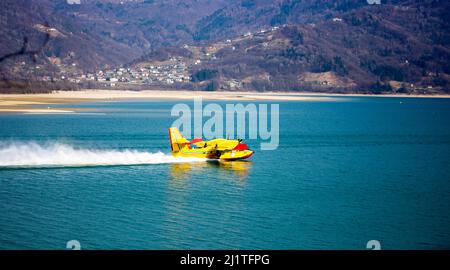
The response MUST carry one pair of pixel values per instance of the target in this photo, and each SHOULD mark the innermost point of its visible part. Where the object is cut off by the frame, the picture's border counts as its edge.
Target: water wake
(31, 154)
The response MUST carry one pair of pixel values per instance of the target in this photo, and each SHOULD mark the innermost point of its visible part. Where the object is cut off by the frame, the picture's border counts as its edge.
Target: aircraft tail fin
(177, 141)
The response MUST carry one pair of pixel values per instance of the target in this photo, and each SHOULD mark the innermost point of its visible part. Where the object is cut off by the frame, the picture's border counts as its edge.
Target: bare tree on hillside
(23, 51)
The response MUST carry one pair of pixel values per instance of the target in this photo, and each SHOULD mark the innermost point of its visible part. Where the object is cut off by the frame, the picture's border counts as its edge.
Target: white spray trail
(31, 154)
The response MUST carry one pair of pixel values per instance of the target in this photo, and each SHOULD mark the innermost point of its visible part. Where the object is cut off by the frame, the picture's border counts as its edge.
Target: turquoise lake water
(345, 172)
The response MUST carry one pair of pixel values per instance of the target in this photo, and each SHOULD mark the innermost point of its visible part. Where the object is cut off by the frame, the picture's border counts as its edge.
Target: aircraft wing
(223, 144)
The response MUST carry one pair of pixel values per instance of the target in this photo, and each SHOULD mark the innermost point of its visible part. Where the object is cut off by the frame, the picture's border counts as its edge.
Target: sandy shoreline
(24, 102)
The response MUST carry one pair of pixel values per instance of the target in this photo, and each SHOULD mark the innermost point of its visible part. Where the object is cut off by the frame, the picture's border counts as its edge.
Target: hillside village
(175, 70)
(314, 46)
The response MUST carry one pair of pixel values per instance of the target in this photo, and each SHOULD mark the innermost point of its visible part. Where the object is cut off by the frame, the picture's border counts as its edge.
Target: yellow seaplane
(220, 149)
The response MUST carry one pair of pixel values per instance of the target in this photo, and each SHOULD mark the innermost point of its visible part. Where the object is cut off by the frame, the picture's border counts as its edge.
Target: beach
(26, 103)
